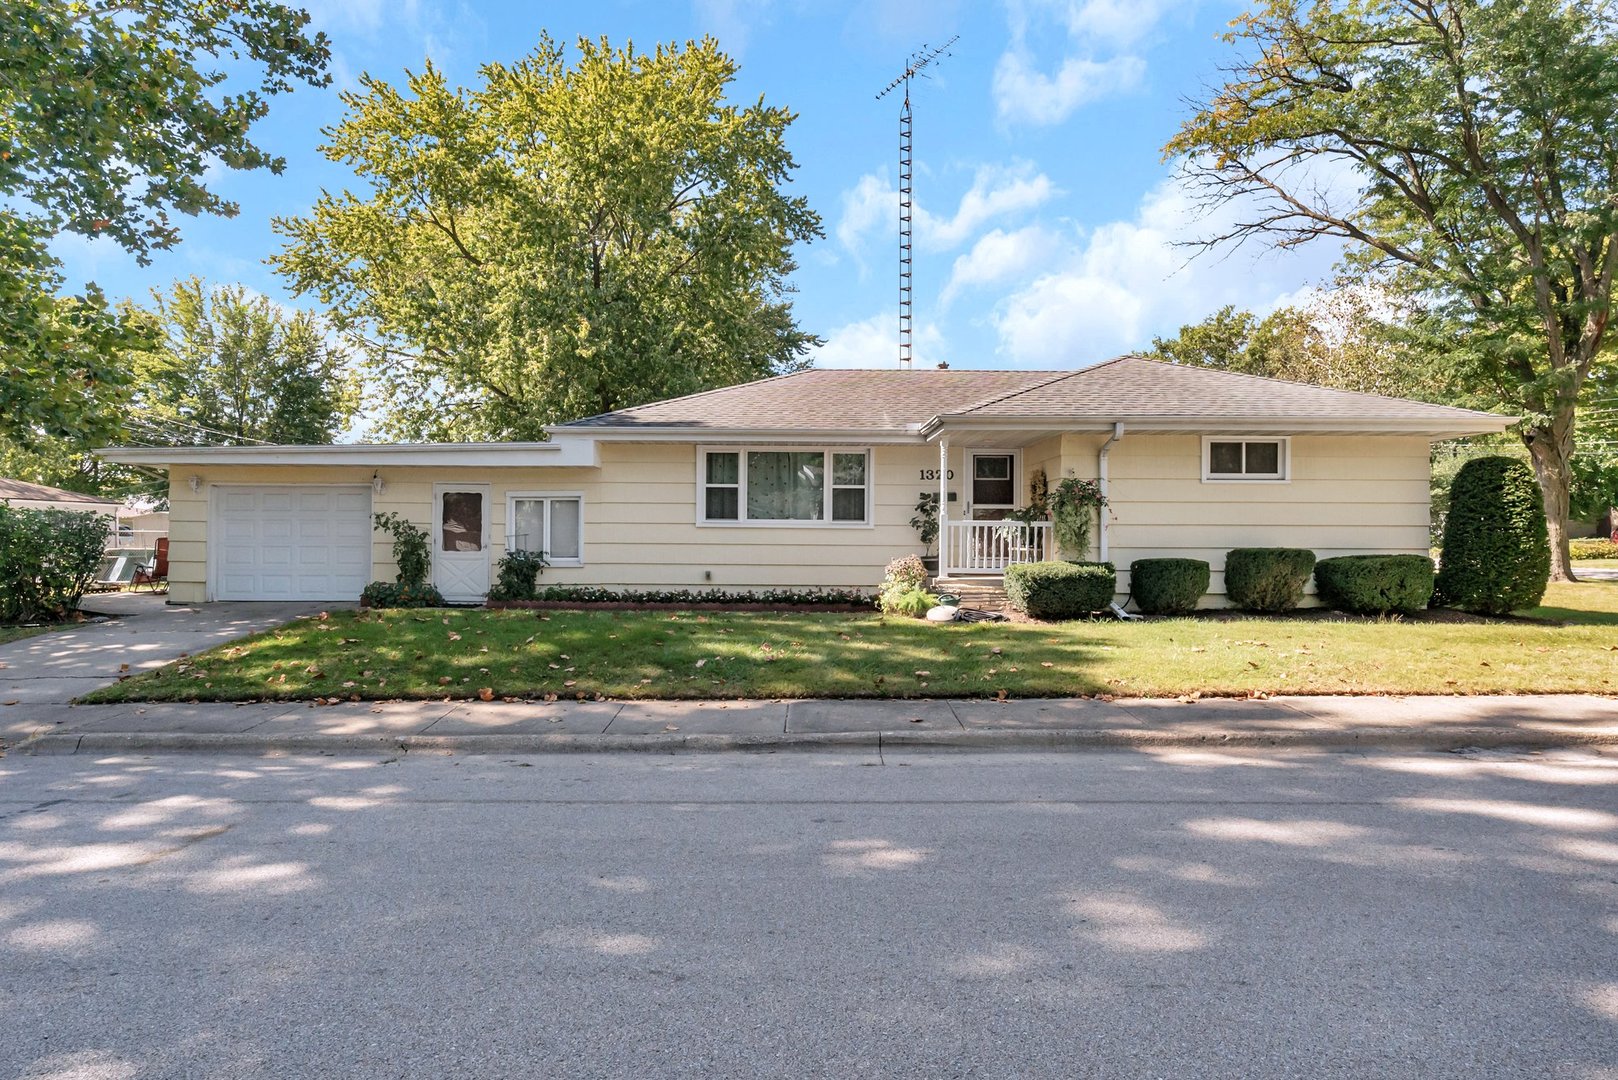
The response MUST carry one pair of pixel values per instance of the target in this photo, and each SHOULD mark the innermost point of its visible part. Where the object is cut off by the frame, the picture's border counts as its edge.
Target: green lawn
(523, 654)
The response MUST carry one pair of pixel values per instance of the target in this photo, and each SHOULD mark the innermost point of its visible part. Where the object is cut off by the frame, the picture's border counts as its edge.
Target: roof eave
(1465, 423)
(711, 433)
(494, 455)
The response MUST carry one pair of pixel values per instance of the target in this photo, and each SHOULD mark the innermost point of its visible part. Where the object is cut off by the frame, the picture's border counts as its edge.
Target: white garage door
(291, 543)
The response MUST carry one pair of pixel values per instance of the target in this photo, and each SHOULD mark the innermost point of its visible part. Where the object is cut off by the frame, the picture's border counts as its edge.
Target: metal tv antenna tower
(918, 61)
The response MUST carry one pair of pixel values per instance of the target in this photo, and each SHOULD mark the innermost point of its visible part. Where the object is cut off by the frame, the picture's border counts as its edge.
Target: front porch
(985, 474)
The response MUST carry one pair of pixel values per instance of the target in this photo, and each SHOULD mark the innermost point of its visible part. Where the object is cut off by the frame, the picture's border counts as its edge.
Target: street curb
(60, 743)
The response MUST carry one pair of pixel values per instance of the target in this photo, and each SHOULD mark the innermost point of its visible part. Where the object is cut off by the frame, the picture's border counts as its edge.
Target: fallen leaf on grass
(444, 680)
(923, 674)
(570, 682)
(486, 693)
(701, 662)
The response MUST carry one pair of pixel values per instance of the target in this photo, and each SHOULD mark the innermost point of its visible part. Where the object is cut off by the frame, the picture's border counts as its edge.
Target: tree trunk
(1551, 447)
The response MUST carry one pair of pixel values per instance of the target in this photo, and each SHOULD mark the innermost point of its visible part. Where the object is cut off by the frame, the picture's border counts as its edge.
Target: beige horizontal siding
(1346, 495)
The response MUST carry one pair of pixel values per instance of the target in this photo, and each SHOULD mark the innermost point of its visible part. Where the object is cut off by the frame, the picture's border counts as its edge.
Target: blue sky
(1047, 221)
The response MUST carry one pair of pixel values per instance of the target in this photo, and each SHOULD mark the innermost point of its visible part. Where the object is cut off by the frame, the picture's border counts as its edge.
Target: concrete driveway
(55, 667)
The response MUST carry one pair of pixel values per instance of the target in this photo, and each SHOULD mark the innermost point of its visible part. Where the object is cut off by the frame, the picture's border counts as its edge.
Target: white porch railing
(988, 547)
(140, 539)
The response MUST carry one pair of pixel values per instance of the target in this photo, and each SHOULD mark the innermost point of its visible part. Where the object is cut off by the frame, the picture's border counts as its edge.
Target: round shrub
(1267, 579)
(400, 594)
(1060, 590)
(1376, 584)
(1168, 586)
(1497, 554)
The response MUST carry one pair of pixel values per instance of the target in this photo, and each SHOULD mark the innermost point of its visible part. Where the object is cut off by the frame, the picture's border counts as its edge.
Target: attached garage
(289, 543)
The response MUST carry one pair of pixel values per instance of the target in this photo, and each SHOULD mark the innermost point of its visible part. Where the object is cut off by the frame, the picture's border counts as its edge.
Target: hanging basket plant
(1072, 502)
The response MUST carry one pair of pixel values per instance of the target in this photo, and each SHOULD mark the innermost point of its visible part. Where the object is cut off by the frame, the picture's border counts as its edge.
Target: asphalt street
(1167, 913)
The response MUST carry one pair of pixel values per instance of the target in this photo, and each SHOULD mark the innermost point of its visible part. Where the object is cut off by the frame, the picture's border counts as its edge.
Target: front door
(992, 475)
(461, 542)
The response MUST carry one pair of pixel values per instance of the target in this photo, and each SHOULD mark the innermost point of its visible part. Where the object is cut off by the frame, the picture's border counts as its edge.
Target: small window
(552, 524)
(723, 487)
(848, 487)
(1244, 459)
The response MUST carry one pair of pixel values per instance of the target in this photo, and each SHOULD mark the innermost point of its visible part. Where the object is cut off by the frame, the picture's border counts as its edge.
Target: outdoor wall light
(376, 483)
(196, 484)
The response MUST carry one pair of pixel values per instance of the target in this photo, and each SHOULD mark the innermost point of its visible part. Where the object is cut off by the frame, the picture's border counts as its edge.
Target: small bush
(1060, 590)
(1267, 579)
(1168, 586)
(1593, 548)
(516, 575)
(912, 602)
(1376, 584)
(48, 558)
(400, 594)
(1497, 555)
(412, 550)
(903, 586)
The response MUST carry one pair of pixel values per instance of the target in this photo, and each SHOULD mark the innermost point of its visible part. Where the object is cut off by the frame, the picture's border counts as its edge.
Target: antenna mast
(918, 61)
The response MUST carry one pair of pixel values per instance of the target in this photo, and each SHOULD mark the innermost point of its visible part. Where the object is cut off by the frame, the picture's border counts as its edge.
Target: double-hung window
(1244, 459)
(551, 523)
(789, 485)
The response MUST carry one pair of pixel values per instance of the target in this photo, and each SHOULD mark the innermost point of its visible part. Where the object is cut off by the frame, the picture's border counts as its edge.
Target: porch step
(985, 594)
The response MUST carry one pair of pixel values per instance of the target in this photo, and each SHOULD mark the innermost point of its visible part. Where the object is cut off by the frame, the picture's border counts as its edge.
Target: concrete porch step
(983, 593)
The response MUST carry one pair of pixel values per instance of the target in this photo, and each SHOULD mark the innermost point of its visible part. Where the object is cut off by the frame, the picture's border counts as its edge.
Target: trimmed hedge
(1060, 590)
(1267, 579)
(400, 594)
(1376, 584)
(1497, 554)
(1168, 586)
(1593, 548)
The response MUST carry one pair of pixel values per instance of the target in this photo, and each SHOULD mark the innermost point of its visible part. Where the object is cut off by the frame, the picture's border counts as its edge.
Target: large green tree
(1348, 339)
(232, 366)
(110, 117)
(561, 240)
(1476, 142)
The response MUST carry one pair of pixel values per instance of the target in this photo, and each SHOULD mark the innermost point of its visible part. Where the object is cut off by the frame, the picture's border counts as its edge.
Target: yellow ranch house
(811, 480)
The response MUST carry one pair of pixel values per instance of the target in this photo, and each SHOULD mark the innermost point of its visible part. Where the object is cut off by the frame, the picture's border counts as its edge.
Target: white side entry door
(461, 542)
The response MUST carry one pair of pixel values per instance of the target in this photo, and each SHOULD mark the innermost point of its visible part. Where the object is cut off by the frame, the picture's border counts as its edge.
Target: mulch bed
(629, 605)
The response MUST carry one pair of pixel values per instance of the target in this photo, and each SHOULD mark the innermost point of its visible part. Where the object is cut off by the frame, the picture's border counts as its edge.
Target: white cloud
(871, 206)
(1125, 282)
(1100, 58)
(874, 343)
(1000, 256)
(1024, 94)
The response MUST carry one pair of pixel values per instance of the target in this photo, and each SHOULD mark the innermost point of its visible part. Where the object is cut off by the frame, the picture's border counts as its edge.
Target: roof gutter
(1434, 427)
(366, 455)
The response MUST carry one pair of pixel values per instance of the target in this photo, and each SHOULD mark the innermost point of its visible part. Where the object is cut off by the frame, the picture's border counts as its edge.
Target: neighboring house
(21, 493)
(811, 480)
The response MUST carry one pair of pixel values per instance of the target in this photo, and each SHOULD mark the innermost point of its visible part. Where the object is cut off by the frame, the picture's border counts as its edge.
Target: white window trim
(1211, 477)
(743, 522)
(511, 517)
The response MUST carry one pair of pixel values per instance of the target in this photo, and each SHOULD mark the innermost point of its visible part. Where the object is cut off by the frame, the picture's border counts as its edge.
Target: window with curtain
(808, 486)
(552, 524)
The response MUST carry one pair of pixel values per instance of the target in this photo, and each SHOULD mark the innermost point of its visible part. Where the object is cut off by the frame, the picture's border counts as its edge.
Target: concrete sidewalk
(496, 727)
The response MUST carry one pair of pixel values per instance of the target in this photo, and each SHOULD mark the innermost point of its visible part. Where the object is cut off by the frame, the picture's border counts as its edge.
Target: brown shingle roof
(23, 491)
(827, 399)
(1133, 386)
(1123, 389)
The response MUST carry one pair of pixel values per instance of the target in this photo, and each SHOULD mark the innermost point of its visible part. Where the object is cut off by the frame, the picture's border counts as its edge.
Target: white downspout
(943, 506)
(1101, 478)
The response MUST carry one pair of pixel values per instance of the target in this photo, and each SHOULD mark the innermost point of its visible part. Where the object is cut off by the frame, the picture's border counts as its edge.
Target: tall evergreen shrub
(1497, 553)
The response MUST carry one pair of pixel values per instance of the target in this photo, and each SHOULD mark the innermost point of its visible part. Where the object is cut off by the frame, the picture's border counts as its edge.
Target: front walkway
(1323, 722)
(55, 667)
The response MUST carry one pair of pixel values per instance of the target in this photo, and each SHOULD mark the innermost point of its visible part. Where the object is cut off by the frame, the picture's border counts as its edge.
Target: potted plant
(925, 522)
(1072, 502)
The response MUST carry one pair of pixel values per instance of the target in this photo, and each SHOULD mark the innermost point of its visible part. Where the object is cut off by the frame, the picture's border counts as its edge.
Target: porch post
(943, 505)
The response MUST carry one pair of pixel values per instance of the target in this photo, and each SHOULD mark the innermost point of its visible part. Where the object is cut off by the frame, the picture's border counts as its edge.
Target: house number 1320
(932, 474)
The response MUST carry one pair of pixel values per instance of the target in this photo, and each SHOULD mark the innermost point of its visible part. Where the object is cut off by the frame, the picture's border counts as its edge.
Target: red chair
(155, 572)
